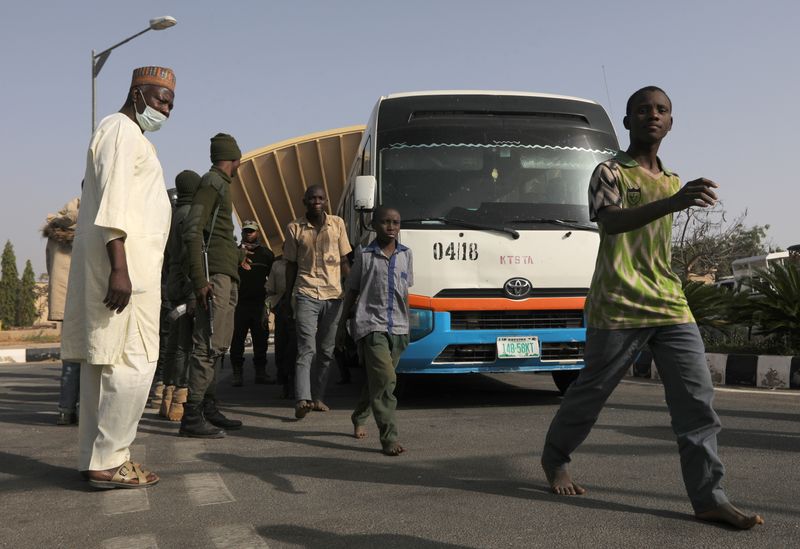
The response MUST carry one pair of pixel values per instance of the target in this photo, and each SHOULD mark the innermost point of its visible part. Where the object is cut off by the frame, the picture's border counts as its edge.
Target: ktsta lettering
(516, 260)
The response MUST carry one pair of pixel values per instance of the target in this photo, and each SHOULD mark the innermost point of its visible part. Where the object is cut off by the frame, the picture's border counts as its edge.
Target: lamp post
(99, 59)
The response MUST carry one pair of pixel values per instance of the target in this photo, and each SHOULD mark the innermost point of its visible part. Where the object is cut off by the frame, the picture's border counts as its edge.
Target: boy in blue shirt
(377, 287)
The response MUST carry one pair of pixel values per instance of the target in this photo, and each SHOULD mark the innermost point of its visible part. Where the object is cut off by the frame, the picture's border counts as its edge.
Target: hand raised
(699, 192)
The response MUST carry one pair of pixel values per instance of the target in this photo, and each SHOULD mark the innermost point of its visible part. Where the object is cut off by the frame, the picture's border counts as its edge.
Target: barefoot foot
(393, 449)
(302, 408)
(359, 431)
(320, 406)
(561, 483)
(728, 514)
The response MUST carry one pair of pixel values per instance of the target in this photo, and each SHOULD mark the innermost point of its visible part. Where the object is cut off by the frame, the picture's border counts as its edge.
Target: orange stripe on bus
(495, 303)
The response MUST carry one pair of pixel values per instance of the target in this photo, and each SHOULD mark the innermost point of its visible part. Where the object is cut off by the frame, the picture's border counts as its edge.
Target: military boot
(67, 418)
(237, 380)
(156, 394)
(178, 400)
(215, 417)
(194, 425)
(261, 377)
(166, 401)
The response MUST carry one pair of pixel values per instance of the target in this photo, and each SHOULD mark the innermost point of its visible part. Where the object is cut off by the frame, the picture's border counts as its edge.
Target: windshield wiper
(466, 224)
(571, 223)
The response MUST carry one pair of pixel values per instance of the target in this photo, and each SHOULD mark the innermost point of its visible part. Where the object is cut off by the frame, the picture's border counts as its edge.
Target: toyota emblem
(517, 288)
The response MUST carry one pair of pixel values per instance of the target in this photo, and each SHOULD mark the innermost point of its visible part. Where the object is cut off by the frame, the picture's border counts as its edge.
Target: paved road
(469, 480)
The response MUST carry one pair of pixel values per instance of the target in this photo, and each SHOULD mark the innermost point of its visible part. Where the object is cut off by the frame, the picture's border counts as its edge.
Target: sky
(265, 71)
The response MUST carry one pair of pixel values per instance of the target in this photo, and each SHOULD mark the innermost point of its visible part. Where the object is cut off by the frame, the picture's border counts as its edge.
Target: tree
(9, 286)
(26, 301)
(705, 242)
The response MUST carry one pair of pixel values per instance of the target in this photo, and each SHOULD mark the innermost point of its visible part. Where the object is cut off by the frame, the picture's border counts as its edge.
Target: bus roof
(485, 92)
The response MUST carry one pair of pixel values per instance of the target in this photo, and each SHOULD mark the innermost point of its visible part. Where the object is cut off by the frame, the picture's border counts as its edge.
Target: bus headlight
(420, 323)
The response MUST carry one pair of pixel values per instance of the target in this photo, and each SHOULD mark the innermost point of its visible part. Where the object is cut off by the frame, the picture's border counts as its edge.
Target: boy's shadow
(277, 470)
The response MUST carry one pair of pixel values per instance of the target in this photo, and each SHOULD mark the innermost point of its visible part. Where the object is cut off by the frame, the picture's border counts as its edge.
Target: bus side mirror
(364, 193)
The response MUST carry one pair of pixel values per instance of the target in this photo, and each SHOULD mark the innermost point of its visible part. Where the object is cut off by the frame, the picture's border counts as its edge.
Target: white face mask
(150, 120)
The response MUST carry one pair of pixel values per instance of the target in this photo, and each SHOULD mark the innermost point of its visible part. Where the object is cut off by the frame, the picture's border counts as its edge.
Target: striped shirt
(382, 284)
(633, 284)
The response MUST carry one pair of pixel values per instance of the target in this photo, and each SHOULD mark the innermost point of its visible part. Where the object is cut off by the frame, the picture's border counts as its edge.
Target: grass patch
(42, 337)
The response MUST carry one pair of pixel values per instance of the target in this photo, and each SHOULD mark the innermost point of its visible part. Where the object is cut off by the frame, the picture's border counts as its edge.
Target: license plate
(518, 347)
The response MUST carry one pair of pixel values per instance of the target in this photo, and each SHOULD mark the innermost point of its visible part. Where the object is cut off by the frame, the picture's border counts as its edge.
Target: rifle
(210, 296)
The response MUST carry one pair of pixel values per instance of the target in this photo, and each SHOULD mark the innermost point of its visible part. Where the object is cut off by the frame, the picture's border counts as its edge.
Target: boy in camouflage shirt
(635, 300)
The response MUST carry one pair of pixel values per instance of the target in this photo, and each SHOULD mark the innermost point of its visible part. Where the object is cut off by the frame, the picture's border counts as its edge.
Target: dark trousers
(680, 358)
(178, 350)
(380, 352)
(285, 346)
(163, 335)
(249, 316)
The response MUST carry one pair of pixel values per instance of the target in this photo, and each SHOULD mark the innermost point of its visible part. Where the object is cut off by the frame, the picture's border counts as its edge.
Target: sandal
(127, 475)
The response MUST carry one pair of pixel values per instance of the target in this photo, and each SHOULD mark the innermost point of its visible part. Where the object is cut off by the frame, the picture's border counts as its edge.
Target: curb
(41, 354)
(762, 371)
(33, 354)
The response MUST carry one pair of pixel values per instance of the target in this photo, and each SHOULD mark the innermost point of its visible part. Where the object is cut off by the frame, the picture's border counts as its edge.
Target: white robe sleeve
(115, 159)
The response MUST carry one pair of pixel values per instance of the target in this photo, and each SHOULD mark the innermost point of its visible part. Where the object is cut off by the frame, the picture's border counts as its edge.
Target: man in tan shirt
(315, 249)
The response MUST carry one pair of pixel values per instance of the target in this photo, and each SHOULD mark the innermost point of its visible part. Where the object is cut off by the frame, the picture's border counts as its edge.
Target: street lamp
(99, 59)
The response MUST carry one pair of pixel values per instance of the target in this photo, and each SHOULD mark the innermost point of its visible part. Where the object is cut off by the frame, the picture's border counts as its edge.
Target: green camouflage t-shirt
(633, 284)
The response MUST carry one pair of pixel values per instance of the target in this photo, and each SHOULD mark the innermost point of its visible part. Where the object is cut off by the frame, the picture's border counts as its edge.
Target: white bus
(492, 190)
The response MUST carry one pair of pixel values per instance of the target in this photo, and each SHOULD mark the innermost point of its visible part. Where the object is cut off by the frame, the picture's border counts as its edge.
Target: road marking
(207, 489)
(755, 392)
(142, 541)
(236, 536)
(185, 451)
(132, 500)
(789, 393)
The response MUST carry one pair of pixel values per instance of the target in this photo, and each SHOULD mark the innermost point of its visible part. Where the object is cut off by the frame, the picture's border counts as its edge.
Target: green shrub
(775, 306)
(764, 322)
(710, 305)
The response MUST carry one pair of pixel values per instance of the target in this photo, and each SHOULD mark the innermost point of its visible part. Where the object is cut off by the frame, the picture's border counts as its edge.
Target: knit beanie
(187, 183)
(224, 147)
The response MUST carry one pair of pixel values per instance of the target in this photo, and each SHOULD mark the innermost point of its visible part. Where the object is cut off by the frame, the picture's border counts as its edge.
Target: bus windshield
(513, 176)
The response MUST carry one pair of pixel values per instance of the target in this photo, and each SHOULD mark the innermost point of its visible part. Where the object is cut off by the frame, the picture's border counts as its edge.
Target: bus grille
(515, 320)
(487, 352)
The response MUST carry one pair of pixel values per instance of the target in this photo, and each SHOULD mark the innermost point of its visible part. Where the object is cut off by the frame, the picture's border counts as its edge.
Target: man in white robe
(112, 312)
